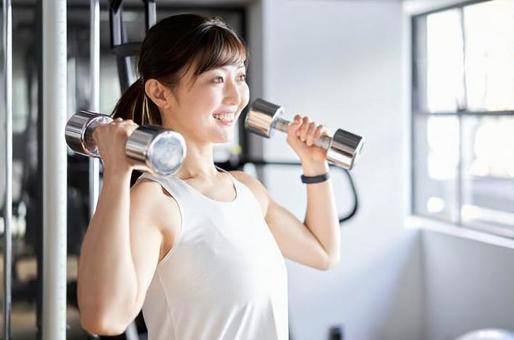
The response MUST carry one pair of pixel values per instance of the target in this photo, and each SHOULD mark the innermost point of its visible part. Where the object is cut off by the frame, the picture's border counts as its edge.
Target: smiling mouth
(224, 117)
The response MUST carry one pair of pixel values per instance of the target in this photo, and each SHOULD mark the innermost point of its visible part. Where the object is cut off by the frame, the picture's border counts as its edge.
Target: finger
(304, 128)
(118, 119)
(130, 121)
(317, 133)
(296, 120)
(95, 135)
(310, 134)
(321, 130)
(295, 124)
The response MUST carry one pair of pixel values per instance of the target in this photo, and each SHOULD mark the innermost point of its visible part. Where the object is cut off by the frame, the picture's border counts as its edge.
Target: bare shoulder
(258, 189)
(150, 191)
(153, 202)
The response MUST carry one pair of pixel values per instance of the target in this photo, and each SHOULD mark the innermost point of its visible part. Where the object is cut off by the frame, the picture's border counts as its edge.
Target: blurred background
(430, 85)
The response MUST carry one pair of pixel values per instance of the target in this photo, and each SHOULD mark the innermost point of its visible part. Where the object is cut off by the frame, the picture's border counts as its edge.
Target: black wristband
(315, 179)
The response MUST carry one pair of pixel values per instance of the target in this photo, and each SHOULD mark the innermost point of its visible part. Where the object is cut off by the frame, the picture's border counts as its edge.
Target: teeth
(224, 116)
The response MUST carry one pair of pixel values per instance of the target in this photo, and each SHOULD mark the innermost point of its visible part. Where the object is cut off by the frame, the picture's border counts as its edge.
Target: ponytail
(134, 104)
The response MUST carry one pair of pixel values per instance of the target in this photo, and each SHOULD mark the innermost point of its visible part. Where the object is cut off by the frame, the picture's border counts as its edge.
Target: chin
(224, 139)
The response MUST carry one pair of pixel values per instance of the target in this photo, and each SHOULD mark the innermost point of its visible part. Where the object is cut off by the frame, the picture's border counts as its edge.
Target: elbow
(330, 262)
(100, 318)
(99, 323)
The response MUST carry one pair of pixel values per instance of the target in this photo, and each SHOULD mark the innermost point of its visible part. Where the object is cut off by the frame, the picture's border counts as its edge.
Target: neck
(199, 160)
(198, 163)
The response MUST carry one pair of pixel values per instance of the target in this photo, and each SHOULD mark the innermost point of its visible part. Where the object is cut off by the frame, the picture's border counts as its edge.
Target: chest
(225, 253)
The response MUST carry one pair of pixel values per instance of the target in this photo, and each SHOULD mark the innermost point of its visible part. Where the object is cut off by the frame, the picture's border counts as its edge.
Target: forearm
(321, 216)
(107, 280)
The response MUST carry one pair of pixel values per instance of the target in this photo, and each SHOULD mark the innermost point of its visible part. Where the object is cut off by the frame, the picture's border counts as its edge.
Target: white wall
(469, 285)
(340, 62)
(346, 64)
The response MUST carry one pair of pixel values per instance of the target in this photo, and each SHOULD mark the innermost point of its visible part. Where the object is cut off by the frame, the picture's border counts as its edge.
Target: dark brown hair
(169, 49)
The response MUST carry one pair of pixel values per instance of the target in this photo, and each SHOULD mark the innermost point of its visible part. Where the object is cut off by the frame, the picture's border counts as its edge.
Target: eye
(218, 79)
(242, 77)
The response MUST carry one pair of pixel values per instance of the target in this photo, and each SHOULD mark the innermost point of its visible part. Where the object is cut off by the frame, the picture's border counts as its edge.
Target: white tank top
(225, 277)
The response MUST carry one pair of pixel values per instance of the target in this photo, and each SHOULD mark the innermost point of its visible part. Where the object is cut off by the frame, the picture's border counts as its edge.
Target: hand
(301, 134)
(111, 140)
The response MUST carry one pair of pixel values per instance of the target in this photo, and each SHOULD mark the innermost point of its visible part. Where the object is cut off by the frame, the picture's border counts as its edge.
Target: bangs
(219, 47)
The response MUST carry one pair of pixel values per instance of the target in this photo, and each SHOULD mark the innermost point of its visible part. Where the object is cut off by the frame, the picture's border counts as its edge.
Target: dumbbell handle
(281, 124)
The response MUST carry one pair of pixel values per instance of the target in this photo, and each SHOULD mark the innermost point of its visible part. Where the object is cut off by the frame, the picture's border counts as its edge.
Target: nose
(232, 93)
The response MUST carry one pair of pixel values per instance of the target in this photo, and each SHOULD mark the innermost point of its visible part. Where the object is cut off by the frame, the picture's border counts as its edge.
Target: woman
(200, 251)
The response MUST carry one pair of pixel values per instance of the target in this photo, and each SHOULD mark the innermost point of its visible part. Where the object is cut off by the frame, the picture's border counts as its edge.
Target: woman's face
(205, 109)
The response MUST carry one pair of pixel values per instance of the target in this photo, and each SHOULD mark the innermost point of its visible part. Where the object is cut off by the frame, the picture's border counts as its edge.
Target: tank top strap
(247, 196)
(172, 185)
(182, 191)
(232, 178)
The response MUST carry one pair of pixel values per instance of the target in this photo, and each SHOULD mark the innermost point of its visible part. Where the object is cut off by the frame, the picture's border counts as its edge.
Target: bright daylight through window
(463, 116)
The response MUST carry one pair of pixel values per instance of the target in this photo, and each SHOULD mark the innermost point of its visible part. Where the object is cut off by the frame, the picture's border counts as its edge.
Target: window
(463, 116)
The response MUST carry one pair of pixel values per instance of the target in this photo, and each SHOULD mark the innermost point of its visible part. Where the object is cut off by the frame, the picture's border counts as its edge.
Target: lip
(226, 123)
(225, 111)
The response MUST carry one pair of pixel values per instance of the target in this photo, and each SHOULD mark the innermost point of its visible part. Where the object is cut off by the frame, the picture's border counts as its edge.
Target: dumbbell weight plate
(263, 117)
(80, 139)
(344, 149)
(161, 150)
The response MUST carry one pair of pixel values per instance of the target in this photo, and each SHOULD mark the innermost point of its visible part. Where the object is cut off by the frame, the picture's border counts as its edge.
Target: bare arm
(314, 242)
(107, 281)
(120, 250)
(297, 240)
(321, 216)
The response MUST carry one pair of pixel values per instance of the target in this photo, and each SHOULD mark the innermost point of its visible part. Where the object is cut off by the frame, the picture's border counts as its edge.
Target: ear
(158, 93)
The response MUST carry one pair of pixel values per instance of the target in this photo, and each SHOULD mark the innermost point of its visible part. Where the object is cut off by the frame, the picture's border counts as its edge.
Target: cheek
(209, 101)
(245, 95)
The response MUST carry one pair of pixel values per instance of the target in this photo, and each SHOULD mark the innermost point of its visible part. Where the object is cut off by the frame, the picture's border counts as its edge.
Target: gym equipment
(55, 176)
(158, 150)
(7, 174)
(342, 149)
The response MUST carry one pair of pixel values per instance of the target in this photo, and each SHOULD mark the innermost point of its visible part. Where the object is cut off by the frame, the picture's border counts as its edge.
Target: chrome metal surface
(79, 132)
(161, 151)
(167, 152)
(264, 117)
(280, 123)
(153, 148)
(344, 149)
(260, 117)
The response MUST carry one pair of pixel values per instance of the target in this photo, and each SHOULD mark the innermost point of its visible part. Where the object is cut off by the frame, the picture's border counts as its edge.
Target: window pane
(489, 31)
(488, 173)
(444, 62)
(436, 165)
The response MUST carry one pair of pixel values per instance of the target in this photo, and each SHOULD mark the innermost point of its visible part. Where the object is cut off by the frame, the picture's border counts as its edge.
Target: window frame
(419, 110)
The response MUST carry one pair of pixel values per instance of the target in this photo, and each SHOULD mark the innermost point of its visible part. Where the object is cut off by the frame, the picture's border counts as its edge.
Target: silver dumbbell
(158, 150)
(342, 149)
